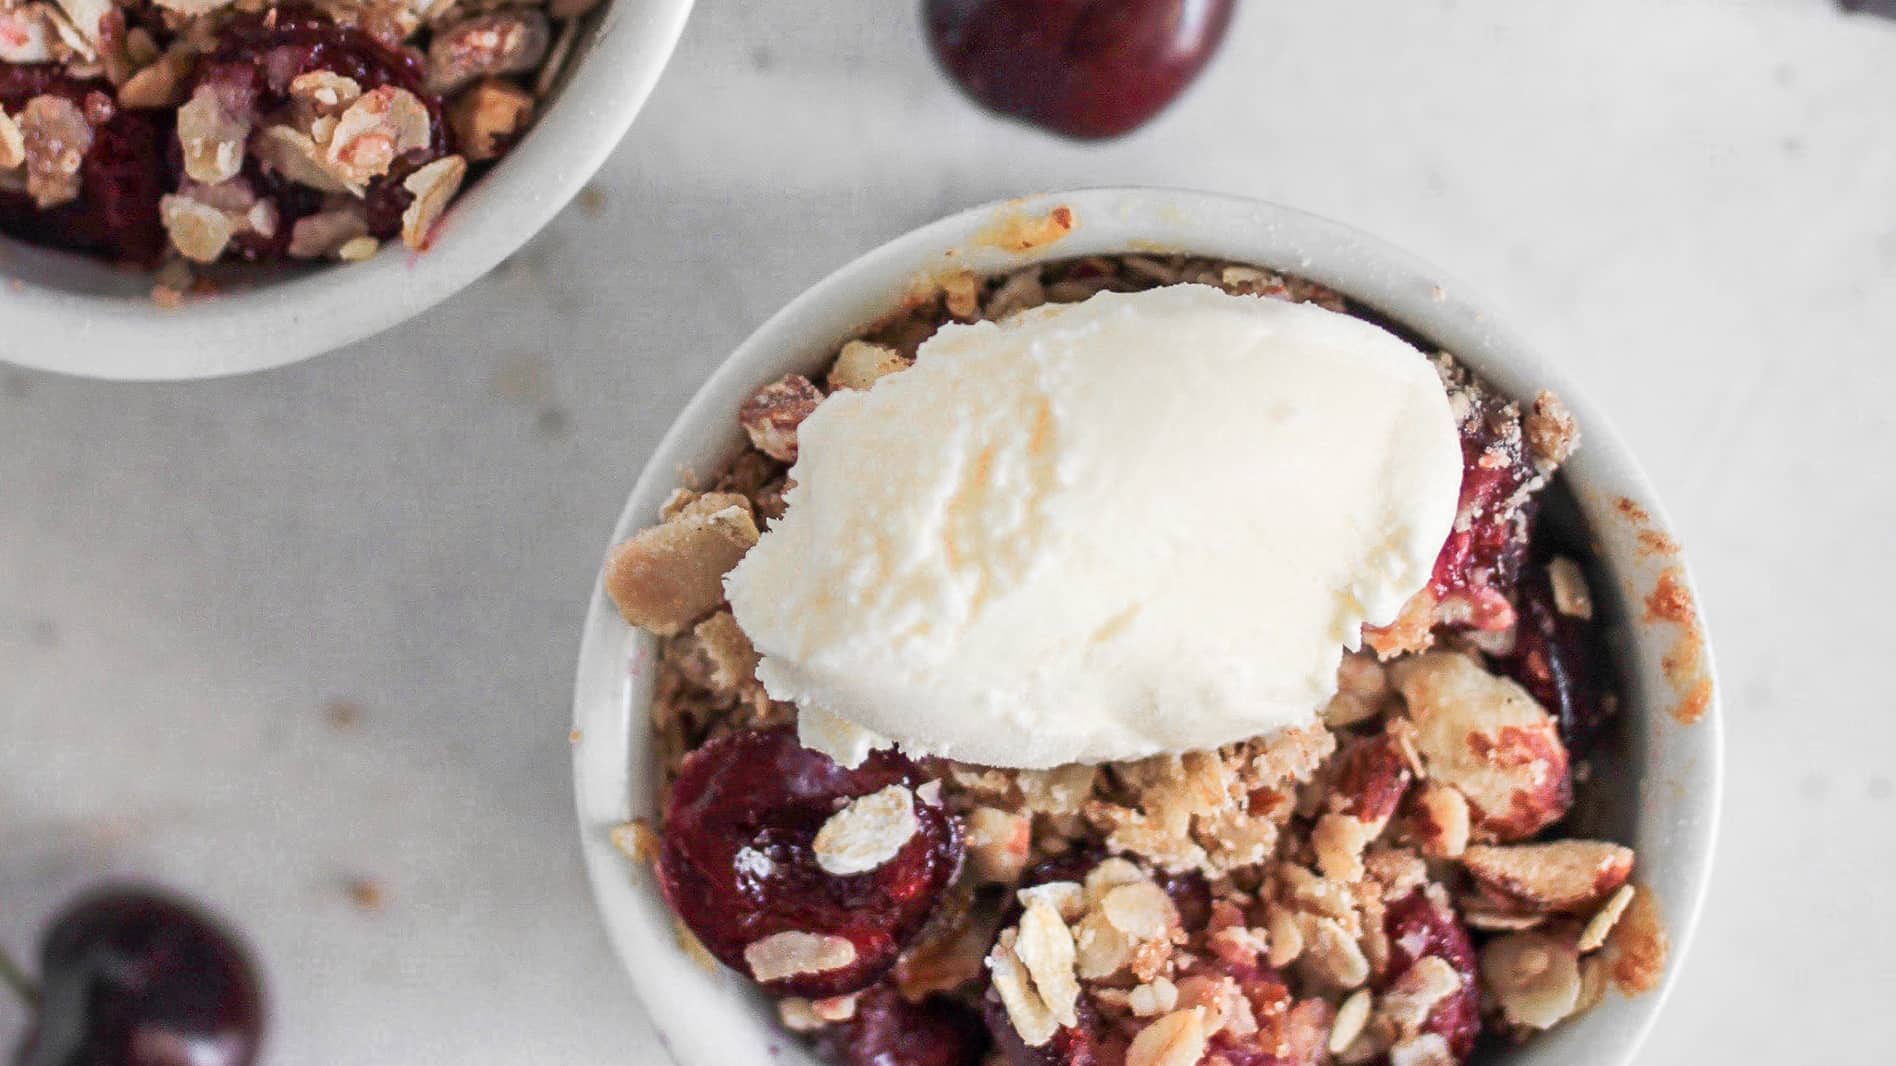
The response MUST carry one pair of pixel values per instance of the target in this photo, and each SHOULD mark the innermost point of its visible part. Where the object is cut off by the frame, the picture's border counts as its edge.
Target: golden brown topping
(671, 575)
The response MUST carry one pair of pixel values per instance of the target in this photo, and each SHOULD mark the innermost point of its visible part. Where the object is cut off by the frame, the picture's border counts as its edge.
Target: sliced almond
(1600, 926)
(1563, 875)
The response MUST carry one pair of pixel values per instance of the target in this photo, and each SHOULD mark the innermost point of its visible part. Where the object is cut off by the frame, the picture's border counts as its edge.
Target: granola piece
(434, 185)
(488, 117)
(1535, 976)
(1428, 1049)
(799, 1015)
(12, 144)
(1351, 1018)
(867, 832)
(1044, 945)
(728, 652)
(1210, 811)
(1362, 691)
(212, 128)
(1412, 998)
(54, 139)
(26, 35)
(1601, 925)
(998, 843)
(794, 954)
(1333, 955)
(773, 413)
(1569, 587)
(77, 23)
(1177, 1039)
(194, 8)
(961, 294)
(1020, 291)
(373, 131)
(1440, 824)
(328, 231)
(1487, 737)
(510, 41)
(1027, 1011)
(1637, 946)
(296, 156)
(162, 83)
(1562, 875)
(1126, 926)
(1552, 433)
(198, 231)
(671, 575)
(323, 93)
(861, 364)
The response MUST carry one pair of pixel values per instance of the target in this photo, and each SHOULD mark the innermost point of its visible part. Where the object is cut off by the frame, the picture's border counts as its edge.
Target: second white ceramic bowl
(74, 315)
(1656, 788)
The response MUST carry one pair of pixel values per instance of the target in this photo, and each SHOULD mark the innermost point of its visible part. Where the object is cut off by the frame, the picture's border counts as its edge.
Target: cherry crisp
(180, 133)
(1394, 883)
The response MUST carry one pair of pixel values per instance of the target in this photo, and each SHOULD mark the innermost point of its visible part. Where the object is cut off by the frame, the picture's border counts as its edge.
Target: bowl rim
(608, 787)
(622, 54)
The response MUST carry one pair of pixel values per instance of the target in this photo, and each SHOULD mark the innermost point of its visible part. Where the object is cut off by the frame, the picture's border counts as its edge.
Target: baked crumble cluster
(186, 132)
(1390, 884)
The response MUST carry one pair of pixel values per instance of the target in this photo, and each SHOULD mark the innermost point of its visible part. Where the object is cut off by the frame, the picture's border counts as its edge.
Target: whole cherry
(133, 977)
(1084, 68)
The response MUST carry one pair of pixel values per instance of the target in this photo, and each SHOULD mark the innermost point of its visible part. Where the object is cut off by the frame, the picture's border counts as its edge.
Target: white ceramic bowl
(1657, 788)
(77, 316)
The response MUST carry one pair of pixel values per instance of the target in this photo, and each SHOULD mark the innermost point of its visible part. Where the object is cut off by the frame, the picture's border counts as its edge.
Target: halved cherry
(737, 862)
(1475, 572)
(888, 1030)
(1417, 928)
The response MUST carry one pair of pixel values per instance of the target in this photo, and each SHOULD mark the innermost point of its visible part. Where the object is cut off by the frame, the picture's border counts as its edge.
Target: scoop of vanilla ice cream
(1146, 523)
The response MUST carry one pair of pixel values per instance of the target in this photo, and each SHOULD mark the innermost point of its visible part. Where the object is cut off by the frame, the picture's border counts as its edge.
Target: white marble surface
(1694, 201)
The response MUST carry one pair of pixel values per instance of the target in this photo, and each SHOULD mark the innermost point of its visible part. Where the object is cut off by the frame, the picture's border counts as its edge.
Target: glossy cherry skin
(737, 862)
(888, 1030)
(1085, 68)
(131, 977)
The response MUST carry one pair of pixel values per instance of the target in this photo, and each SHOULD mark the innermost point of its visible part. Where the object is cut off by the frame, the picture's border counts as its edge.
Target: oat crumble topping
(1384, 885)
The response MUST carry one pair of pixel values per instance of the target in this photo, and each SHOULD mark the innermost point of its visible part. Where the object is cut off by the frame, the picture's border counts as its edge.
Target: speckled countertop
(267, 638)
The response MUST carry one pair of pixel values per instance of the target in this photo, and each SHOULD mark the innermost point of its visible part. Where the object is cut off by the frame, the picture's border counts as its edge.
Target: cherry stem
(15, 978)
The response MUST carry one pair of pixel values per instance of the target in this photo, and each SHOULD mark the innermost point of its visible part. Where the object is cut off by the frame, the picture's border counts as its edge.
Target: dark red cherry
(122, 177)
(1417, 927)
(888, 1030)
(1086, 1044)
(1084, 68)
(1560, 659)
(737, 864)
(1476, 570)
(135, 978)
